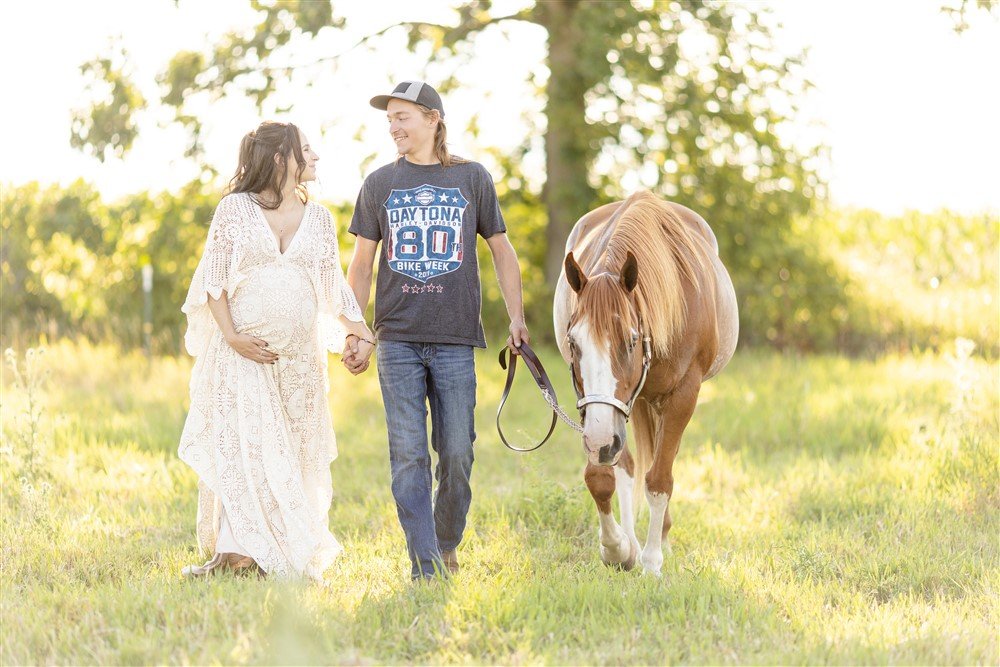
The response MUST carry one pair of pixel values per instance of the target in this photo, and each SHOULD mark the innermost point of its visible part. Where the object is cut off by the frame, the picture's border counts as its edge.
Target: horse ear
(630, 272)
(574, 274)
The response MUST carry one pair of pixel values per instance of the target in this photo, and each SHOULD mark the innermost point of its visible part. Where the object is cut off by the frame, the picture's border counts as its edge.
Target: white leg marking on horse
(615, 545)
(623, 485)
(652, 553)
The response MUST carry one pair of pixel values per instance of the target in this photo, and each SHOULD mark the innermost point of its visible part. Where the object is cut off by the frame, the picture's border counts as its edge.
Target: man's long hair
(441, 139)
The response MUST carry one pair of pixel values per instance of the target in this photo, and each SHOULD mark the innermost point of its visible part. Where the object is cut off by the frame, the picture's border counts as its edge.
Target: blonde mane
(669, 254)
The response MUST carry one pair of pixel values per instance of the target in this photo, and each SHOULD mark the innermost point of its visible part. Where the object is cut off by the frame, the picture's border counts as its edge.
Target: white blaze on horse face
(595, 370)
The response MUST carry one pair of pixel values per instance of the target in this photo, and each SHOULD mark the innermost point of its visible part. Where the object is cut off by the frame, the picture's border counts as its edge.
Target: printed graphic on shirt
(423, 289)
(425, 231)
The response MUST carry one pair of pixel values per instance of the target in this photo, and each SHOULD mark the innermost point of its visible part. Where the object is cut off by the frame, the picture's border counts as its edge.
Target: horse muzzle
(606, 455)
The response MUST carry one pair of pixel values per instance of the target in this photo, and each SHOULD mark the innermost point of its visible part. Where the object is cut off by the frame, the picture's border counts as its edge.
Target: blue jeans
(411, 376)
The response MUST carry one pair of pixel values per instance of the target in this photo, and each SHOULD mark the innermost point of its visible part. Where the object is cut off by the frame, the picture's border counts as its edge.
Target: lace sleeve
(335, 296)
(218, 270)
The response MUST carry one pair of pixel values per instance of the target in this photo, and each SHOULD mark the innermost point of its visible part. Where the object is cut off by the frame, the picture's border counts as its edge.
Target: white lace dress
(259, 435)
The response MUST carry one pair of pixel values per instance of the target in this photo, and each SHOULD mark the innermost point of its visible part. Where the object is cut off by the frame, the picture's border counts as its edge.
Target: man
(427, 208)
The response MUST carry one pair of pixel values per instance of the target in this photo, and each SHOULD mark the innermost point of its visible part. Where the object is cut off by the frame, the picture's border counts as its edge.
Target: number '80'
(414, 242)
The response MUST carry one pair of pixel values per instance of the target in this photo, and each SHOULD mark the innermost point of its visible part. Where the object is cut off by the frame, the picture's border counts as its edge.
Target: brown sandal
(238, 564)
(243, 566)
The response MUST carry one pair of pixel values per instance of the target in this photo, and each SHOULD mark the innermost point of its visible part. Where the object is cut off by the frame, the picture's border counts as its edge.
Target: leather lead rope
(541, 379)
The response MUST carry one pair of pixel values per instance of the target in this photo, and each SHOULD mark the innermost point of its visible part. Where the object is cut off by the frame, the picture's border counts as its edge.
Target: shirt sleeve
(365, 219)
(489, 219)
(218, 270)
(334, 294)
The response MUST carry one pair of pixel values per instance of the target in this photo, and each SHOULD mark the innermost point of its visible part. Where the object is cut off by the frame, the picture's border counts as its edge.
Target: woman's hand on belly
(252, 348)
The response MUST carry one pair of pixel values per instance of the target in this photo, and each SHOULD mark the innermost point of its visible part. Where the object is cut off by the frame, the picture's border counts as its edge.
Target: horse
(644, 312)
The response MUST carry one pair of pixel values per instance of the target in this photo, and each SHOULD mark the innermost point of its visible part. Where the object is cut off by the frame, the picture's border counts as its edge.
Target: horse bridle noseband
(625, 408)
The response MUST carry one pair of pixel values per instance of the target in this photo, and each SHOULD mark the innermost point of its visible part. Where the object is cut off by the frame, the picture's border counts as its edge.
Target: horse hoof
(607, 559)
(651, 569)
(633, 556)
(623, 565)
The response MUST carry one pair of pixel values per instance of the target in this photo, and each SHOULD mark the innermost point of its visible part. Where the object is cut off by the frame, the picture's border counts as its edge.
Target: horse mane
(668, 253)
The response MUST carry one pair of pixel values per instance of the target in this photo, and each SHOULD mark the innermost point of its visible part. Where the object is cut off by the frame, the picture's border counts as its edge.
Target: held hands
(357, 354)
(252, 348)
(518, 335)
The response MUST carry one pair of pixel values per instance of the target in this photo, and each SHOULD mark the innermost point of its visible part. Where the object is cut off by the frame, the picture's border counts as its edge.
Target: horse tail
(644, 427)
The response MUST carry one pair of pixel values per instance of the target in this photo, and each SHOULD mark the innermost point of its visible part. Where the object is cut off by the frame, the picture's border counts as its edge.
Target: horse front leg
(676, 413)
(659, 511)
(624, 485)
(615, 545)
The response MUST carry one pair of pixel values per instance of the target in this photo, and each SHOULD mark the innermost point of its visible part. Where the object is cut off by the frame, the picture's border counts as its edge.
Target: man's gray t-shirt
(427, 218)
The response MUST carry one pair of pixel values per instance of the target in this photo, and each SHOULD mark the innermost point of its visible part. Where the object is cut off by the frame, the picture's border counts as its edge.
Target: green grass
(825, 511)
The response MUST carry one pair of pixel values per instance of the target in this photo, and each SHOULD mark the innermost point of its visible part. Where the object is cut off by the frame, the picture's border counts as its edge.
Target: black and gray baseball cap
(411, 91)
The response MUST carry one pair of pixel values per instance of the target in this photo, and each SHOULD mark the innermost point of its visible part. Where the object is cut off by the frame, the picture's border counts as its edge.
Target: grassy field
(825, 511)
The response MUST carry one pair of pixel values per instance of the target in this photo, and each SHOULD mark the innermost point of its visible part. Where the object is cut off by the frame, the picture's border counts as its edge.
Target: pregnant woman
(267, 302)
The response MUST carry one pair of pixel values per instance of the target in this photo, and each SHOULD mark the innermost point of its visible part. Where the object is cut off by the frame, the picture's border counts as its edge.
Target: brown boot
(450, 559)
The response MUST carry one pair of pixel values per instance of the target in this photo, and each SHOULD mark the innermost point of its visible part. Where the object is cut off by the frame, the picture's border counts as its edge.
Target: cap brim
(380, 101)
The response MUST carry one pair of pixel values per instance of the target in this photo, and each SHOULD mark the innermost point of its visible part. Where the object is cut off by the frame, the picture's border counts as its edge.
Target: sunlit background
(844, 153)
(907, 107)
(836, 498)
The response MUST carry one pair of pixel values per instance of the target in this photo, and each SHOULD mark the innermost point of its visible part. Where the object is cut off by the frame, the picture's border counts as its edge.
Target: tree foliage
(687, 99)
(108, 126)
(853, 281)
(72, 262)
(960, 10)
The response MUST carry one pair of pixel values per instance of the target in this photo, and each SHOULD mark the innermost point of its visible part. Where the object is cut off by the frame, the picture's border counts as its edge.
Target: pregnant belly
(276, 304)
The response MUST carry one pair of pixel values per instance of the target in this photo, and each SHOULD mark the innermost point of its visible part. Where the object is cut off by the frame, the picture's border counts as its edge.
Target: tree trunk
(567, 194)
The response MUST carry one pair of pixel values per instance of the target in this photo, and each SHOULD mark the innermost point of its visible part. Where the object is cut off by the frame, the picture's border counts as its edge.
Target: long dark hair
(258, 172)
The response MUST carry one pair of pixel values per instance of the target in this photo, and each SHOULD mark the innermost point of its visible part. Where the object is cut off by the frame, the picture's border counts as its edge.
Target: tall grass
(825, 510)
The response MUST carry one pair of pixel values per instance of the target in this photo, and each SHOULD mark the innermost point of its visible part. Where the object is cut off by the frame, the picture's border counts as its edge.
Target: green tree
(72, 263)
(685, 98)
(53, 244)
(26, 304)
(107, 126)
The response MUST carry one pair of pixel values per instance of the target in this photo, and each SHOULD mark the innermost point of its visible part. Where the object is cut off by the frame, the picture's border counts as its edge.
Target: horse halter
(624, 408)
